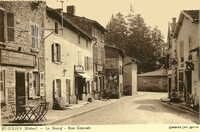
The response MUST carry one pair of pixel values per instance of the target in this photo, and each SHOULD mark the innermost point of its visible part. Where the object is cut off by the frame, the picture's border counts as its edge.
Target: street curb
(86, 111)
(180, 109)
(71, 116)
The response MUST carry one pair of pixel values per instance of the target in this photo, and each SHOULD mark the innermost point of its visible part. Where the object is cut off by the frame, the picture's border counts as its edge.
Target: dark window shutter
(2, 39)
(56, 27)
(54, 88)
(59, 53)
(53, 53)
(30, 84)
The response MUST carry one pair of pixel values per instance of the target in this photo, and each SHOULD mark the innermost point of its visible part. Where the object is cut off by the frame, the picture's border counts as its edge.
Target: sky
(155, 12)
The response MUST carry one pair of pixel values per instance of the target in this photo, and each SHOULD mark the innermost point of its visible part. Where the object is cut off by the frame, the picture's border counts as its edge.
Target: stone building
(97, 31)
(185, 39)
(114, 70)
(68, 54)
(22, 60)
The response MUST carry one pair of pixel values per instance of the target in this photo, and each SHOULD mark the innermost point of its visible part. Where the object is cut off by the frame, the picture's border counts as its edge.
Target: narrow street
(143, 109)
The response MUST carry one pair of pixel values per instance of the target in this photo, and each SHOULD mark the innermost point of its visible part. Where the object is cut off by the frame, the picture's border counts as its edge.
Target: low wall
(152, 83)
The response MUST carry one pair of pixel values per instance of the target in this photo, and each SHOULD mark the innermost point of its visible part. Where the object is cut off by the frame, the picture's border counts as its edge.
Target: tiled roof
(54, 13)
(81, 22)
(84, 23)
(160, 72)
(194, 14)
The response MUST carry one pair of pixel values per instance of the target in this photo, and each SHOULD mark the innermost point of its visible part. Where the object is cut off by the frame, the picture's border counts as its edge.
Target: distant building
(97, 31)
(185, 40)
(130, 76)
(172, 60)
(114, 70)
(22, 60)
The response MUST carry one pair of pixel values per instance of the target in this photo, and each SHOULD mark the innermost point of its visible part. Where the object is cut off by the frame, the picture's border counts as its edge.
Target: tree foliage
(139, 40)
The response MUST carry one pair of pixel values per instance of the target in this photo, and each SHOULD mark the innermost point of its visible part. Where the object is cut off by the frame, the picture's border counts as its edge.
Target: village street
(143, 109)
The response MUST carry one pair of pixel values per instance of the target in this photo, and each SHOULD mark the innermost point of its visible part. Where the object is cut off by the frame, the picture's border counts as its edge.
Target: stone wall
(152, 83)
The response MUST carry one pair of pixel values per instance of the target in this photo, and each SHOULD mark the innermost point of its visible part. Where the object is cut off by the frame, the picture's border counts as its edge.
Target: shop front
(82, 83)
(20, 77)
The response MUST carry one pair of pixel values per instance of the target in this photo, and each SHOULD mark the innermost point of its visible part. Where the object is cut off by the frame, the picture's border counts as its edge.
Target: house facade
(130, 76)
(186, 40)
(97, 31)
(68, 57)
(114, 71)
(172, 61)
(22, 63)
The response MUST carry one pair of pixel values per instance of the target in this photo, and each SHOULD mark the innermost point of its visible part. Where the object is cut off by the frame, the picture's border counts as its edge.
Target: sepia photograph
(99, 65)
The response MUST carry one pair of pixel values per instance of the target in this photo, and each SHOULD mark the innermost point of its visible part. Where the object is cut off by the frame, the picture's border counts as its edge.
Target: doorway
(188, 84)
(20, 86)
(80, 83)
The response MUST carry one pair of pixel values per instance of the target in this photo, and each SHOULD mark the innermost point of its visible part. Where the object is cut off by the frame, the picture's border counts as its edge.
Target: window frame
(35, 27)
(56, 52)
(6, 38)
(38, 91)
(57, 89)
(36, 88)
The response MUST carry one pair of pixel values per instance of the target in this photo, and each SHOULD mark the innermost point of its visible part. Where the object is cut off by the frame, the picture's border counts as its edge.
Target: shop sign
(78, 68)
(15, 58)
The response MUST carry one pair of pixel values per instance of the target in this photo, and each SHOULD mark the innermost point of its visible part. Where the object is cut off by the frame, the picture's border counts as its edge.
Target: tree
(117, 28)
(139, 41)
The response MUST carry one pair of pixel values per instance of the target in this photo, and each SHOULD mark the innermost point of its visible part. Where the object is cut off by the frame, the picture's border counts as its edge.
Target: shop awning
(84, 75)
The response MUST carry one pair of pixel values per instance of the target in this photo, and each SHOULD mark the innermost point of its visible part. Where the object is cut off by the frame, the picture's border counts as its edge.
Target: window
(6, 26)
(2, 39)
(86, 43)
(56, 52)
(36, 90)
(86, 63)
(10, 26)
(57, 88)
(36, 84)
(34, 36)
(56, 27)
(2, 86)
(79, 39)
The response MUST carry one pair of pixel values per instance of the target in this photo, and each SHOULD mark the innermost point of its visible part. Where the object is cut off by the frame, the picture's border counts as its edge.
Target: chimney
(174, 20)
(173, 23)
(71, 10)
